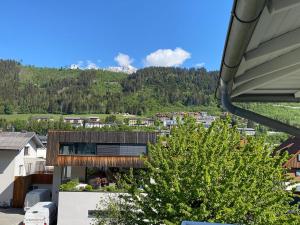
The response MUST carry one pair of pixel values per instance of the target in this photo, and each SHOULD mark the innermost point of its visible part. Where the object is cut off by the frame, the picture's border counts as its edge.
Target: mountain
(28, 89)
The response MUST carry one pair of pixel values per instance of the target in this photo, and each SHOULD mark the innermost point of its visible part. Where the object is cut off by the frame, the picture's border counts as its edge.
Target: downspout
(245, 15)
(274, 124)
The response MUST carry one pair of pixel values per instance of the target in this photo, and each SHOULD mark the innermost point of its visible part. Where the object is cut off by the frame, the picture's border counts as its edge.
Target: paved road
(11, 216)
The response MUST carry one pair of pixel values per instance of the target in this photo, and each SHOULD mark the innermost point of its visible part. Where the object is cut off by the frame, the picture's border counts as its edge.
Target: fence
(23, 183)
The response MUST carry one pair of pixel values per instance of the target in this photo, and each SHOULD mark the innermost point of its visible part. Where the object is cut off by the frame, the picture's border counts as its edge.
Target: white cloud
(167, 57)
(74, 66)
(200, 65)
(124, 64)
(123, 60)
(85, 65)
(90, 65)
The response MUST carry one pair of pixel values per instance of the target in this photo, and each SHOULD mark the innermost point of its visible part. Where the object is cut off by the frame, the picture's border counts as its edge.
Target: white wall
(73, 206)
(31, 149)
(7, 167)
(12, 164)
(20, 158)
(41, 152)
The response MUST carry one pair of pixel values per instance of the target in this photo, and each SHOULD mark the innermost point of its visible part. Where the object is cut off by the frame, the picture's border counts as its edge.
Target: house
(147, 122)
(169, 123)
(247, 131)
(162, 117)
(92, 122)
(90, 155)
(292, 147)
(205, 120)
(74, 121)
(133, 121)
(18, 158)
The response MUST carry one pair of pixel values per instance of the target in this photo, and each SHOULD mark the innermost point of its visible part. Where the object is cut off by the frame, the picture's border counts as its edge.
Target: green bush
(69, 186)
(88, 188)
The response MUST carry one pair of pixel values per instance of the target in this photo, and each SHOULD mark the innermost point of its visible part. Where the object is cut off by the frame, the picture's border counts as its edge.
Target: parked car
(42, 213)
(35, 196)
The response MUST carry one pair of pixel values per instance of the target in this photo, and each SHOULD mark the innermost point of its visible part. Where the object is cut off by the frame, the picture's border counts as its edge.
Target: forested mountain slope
(26, 89)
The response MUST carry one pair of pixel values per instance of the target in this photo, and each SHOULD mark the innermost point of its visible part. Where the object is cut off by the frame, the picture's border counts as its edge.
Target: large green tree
(207, 175)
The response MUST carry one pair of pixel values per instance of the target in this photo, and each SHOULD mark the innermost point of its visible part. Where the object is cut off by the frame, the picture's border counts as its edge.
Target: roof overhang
(261, 58)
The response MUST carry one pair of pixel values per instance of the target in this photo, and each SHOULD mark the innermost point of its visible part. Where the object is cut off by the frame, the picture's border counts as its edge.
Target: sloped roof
(17, 140)
(261, 59)
(291, 145)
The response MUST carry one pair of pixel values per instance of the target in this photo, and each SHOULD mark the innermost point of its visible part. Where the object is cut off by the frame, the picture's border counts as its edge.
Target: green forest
(27, 89)
(32, 90)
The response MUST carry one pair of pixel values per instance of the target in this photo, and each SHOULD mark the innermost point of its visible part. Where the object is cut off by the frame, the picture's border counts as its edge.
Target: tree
(111, 119)
(8, 109)
(207, 175)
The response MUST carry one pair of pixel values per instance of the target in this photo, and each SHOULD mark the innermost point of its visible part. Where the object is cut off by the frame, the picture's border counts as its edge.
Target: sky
(111, 33)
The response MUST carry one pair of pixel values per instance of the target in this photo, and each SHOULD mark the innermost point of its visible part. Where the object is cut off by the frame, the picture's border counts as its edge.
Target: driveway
(11, 216)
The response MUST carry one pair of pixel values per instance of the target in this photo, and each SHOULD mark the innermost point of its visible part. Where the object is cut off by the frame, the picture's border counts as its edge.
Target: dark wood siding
(293, 162)
(57, 137)
(22, 184)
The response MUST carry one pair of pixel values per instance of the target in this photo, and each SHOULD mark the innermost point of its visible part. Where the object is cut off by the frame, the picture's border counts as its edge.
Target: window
(103, 149)
(21, 170)
(298, 157)
(77, 149)
(297, 172)
(95, 213)
(26, 150)
(121, 149)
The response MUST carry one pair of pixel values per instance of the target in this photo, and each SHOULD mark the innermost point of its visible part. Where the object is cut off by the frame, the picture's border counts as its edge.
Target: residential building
(292, 147)
(162, 117)
(147, 122)
(247, 131)
(169, 123)
(74, 153)
(71, 152)
(206, 120)
(18, 158)
(74, 121)
(92, 122)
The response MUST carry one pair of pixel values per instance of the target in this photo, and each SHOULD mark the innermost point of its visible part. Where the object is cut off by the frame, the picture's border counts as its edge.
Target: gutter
(275, 124)
(245, 15)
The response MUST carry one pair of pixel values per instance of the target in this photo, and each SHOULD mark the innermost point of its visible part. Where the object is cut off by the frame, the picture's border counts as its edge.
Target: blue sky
(103, 33)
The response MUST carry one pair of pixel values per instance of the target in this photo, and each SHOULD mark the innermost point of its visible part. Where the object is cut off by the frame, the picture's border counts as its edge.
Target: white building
(18, 157)
(92, 122)
(75, 121)
(247, 131)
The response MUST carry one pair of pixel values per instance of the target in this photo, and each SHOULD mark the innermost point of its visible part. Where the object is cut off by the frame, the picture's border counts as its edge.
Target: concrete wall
(56, 183)
(7, 171)
(73, 206)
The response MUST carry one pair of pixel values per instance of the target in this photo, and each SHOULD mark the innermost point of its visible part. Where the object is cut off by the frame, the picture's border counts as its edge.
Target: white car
(42, 213)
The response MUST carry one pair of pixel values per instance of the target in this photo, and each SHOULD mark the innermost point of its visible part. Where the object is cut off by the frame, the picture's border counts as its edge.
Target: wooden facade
(55, 138)
(22, 184)
(292, 147)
